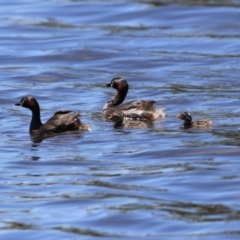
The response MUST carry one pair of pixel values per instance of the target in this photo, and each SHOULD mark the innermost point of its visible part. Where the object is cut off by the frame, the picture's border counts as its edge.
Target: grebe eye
(112, 83)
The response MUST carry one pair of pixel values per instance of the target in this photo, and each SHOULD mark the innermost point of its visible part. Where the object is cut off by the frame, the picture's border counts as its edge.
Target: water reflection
(35, 158)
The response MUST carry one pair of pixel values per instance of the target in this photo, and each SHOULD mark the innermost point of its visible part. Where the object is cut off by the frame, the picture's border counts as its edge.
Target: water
(130, 183)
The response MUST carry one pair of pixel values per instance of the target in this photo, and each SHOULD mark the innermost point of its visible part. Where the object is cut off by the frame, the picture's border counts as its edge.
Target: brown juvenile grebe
(61, 121)
(138, 109)
(121, 122)
(187, 118)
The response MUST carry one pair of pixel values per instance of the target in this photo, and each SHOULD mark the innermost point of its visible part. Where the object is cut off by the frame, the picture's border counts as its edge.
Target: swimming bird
(187, 118)
(137, 109)
(61, 121)
(121, 122)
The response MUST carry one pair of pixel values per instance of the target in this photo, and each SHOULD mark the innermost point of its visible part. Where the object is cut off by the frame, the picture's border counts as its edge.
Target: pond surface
(162, 181)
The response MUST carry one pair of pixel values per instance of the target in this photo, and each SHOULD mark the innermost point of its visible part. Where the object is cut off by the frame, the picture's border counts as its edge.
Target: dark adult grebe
(61, 121)
(138, 109)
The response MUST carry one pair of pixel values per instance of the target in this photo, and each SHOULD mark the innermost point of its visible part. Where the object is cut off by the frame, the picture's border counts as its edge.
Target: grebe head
(185, 116)
(118, 83)
(118, 120)
(29, 102)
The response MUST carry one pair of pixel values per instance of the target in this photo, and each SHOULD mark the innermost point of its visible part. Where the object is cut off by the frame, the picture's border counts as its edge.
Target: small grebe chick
(121, 122)
(187, 118)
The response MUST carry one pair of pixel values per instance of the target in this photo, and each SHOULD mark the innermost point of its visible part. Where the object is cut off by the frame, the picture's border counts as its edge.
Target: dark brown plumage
(121, 122)
(61, 121)
(138, 109)
(187, 118)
